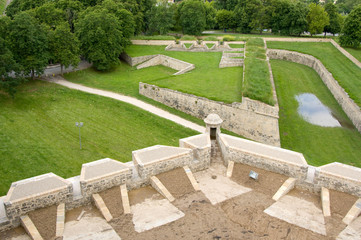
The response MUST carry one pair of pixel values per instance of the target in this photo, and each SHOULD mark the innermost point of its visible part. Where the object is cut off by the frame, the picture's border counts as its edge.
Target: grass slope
(356, 52)
(343, 70)
(206, 80)
(257, 84)
(38, 132)
(320, 145)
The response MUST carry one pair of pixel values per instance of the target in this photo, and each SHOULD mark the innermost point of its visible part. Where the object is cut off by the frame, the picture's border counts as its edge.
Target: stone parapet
(251, 119)
(133, 61)
(348, 105)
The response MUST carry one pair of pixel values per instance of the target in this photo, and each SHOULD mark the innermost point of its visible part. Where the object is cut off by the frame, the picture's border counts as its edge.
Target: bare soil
(113, 200)
(306, 195)
(12, 233)
(140, 194)
(340, 204)
(44, 220)
(177, 182)
(268, 182)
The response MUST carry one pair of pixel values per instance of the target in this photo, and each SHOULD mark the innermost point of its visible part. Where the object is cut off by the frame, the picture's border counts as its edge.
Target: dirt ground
(140, 194)
(177, 182)
(113, 200)
(268, 182)
(44, 220)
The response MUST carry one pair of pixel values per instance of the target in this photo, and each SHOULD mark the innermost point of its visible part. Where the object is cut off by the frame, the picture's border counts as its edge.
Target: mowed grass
(356, 52)
(320, 145)
(343, 70)
(38, 133)
(206, 80)
(257, 84)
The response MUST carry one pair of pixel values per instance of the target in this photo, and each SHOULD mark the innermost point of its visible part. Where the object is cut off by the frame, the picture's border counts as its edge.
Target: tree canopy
(351, 32)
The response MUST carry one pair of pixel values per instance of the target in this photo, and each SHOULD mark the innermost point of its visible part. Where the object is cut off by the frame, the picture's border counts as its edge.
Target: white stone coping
(101, 169)
(34, 187)
(198, 141)
(297, 39)
(158, 153)
(263, 150)
(342, 171)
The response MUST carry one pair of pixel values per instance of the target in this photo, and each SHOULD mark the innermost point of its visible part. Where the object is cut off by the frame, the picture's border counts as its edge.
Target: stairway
(216, 155)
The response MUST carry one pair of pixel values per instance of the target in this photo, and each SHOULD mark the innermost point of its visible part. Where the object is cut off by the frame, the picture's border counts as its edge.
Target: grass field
(343, 70)
(356, 52)
(38, 132)
(320, 145)
(257, 84)
(206, 80)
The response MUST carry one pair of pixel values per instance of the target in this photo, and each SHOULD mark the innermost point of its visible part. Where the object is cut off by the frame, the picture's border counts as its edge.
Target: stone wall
(170, 62)
(347, 54)
(132, 61)
(251, 119)
(262, 156)
(153, 42)
(348, 105)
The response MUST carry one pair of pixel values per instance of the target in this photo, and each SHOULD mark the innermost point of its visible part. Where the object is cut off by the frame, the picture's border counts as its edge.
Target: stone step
(325, 198)
(30, 228)
(157, 185)
(353, 213)
(60, 220)
(99, 203)
(125, 199)
(287, 186)
(191, 178)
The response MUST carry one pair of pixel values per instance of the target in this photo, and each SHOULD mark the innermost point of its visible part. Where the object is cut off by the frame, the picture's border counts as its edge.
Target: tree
(335, 19)
(64, 47)
(351, 32)
(49, 14)
(192, 17)
(317, 19)
(29, 44)
(246, 14)
(346, 6)
(9, 69)
(71, 8)
(210, 14)
(17, 6)
(101, 38)
(161, 18)
(225, 19)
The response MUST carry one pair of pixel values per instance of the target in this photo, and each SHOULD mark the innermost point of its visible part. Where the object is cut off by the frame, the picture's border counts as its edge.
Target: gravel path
(138, 103)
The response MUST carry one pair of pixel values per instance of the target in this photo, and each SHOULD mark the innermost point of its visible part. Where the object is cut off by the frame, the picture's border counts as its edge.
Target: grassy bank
(257, 84)
(2, 6)
(320, 145)
(356, 52)
(206, 80)
(343, 70)
(38, 132)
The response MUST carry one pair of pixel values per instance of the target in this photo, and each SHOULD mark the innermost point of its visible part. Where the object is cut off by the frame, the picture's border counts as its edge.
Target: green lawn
(38, 132)
(320, 145)
(206, 80)
(257, 84)
(236, 45)
(343, 70)
(356, 52)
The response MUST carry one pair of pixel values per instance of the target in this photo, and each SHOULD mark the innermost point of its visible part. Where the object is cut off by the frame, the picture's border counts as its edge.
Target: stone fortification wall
(271, 158)
(170, 62)
(153, 42)
(132, 61)
(347, 54)
(348, 105)
(252, 119)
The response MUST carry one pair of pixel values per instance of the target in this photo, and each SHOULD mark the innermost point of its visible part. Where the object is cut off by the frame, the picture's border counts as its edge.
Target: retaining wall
(251, 119)
(348, 105)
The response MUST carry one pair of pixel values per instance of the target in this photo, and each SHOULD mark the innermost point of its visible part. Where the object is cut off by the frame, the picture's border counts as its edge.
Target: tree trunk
(61, 69)
(32, 74)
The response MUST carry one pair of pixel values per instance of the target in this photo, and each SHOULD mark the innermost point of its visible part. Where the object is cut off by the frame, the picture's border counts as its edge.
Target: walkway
(138, 103)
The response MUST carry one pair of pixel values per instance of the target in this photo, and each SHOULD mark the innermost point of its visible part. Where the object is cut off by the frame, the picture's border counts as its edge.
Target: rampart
(348, 105)
(49, 189)
(251, 119)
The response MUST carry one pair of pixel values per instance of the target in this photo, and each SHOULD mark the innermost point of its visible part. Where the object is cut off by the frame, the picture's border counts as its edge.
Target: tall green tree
(335, 19)
(346, 6)
(101, 38)
(210, 14)
(49, 14)
(29, 43)
(246, 14)
(317, 19)
(192, 17)
(17, 6)
(71, 8)
(161, 18)
(64, 47)
(225, 19)
(9, 70)
(351, 32)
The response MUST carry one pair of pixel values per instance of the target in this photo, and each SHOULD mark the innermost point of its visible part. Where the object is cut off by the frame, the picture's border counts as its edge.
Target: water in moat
(313, 111)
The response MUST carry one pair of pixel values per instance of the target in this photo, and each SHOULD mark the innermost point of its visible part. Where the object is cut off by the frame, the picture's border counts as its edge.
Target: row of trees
(282, 16)
(35, 33)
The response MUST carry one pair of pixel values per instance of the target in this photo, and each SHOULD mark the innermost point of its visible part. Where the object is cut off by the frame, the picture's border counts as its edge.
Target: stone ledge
(353, 213)
(60, 220)
(125, 199)
(30, 228)
(156, 184)
(99, 203)
(230, 169)
(325, 198)
(287, 186)
(191, 178)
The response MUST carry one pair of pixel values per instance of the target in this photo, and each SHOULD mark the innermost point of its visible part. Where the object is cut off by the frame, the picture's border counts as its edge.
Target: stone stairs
(216, 155)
